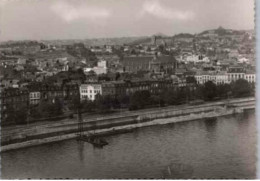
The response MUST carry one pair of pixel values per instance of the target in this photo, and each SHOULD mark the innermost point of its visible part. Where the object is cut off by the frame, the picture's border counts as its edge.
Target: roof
(161, 59)
(137, 58)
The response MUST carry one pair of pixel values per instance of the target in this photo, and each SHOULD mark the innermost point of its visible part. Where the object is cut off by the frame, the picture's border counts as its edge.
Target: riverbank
(123, 123)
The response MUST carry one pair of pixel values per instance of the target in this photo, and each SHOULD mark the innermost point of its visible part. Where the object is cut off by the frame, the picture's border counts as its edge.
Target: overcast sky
(76, 19)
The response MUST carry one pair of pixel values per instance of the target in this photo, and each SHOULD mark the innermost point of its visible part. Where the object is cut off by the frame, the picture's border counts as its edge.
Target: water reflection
(211, 126)
(81, 150)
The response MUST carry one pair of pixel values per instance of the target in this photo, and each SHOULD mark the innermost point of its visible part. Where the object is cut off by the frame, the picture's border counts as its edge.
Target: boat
(95, 141)
(90, 138)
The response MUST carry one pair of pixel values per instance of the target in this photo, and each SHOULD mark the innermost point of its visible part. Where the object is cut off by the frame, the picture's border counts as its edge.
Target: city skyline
(99, 19)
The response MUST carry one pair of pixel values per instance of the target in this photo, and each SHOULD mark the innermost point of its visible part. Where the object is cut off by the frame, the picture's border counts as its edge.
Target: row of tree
(142, 99)
(23, 114)
(139, 100)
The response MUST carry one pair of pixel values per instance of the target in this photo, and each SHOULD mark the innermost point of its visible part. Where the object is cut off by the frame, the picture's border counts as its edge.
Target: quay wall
(118, 124)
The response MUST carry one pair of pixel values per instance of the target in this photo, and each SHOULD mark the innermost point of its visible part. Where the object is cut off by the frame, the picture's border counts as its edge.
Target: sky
(83, 19)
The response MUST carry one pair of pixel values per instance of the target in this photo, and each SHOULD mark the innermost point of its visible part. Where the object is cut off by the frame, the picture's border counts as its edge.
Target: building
(196, 59)
(235, 73)
(47, 92)
(202, 78)
(34, 97)
(13, 99)
(114, 88)
(161, 63)
(89, 91)
(136, 63)
(126, 88)
(8, 83)
(221, 78)
(70, 91)
(250, 77)
(217, 78)
(101, 68)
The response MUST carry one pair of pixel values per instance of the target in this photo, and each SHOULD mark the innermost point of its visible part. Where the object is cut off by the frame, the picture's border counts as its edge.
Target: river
(220, 148)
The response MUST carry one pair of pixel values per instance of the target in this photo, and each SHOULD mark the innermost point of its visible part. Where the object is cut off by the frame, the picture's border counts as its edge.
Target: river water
(221, 148)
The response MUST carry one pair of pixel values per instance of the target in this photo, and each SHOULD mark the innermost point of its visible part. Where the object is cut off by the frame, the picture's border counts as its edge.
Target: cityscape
(77, 105)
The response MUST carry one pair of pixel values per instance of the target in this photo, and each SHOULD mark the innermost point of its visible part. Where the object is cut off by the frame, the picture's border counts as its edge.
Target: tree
(140, 99)
(16, 115)
(241, 88)
(47, 109)
(191, 79)
(169, 97)
(21, 115)
(223, 90)
(210, 90)
(161, 48)
(88, 106)
(199, 92)
(75, 103)
(103, 103)
(124, 100)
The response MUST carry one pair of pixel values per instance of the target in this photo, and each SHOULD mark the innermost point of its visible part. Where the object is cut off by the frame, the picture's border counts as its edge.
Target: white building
(218, 78)
(202, 79)
(34, 97)
(221, 79)
(89, 91)
(234, 76)
(250, 77)
(225, 78)
(196, 59)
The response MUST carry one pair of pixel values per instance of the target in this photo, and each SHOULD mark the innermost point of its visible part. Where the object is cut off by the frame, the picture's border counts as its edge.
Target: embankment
(121, 123)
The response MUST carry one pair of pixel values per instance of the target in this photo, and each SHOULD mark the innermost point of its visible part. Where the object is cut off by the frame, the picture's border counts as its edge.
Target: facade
(234, 76)
(225, 78)
(39, 91)
(221, 79)
(235, 73)
(114, 88)
(70, 91)
(13, 98)
(218, 78)
(196, 59)
(250, 77)
(165, 64)
(126, 88)
(89, 91)
(34, 97)
(136, 63)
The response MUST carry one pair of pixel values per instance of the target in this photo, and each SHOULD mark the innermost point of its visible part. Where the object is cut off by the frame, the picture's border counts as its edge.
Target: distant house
(8, 83)
(101, 68)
